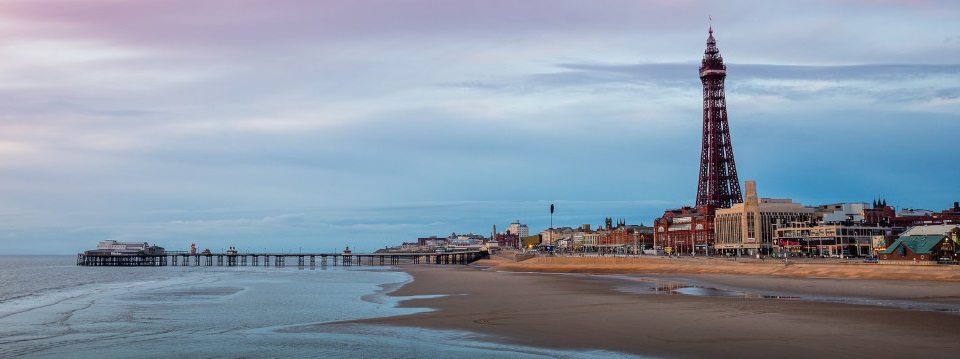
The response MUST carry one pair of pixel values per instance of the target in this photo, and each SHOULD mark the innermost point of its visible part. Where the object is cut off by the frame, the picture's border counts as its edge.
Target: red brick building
(947, 216)
(508, 240)
(880, 214)
(631, 238)
(685, 230)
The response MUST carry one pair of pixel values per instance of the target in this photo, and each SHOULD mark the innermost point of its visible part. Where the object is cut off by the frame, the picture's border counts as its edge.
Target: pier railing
(277, 259)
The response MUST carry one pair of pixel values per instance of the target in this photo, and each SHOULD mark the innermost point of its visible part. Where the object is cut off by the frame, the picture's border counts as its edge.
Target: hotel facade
(750, 227)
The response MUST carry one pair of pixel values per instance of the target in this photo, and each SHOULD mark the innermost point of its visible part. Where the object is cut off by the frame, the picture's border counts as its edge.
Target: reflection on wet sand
(659, 286)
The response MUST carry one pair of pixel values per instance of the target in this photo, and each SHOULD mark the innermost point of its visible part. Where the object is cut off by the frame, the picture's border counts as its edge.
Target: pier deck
(277, 259)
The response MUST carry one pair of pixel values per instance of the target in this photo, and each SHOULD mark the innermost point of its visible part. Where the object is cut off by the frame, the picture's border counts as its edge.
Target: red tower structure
(718, 186)
(689, 230)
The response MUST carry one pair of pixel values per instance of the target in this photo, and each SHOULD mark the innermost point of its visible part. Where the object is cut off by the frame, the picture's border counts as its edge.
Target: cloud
(240, 222)
(381, 121)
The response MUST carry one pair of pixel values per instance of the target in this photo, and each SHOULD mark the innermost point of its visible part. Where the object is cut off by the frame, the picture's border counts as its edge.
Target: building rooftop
(917, 244)
(938, 229)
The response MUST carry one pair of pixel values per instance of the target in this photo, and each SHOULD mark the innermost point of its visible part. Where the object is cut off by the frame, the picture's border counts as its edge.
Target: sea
(52, 308)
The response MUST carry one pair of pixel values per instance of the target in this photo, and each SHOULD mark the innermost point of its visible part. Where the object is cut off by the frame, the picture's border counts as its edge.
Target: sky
(293, 125)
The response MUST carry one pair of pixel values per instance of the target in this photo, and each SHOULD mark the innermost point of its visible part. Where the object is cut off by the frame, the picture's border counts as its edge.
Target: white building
(840, 212)
(750, 227)
(585, 239)
(465, 240)
(914, 212)
(519, 229)
(552, 236)
(120, 248)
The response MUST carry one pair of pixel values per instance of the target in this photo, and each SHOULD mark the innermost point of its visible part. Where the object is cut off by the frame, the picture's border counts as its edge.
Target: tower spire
(718, 186)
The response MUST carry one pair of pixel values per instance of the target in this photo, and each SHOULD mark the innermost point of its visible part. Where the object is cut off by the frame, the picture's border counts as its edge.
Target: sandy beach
(821, 312)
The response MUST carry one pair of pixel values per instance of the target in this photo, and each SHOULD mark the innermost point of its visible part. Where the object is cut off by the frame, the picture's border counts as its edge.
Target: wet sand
(622, 313)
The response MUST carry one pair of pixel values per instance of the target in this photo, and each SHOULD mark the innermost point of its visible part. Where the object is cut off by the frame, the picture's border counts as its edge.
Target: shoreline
(523, 305)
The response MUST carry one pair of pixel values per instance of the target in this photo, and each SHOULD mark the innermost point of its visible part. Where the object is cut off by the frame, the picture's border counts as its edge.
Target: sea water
(52, 308)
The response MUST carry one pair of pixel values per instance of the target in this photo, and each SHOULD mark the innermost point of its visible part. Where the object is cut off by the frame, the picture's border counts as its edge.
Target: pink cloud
(238, 22)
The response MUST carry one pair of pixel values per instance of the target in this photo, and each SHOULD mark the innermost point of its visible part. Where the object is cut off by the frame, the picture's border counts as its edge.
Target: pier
(276, 259)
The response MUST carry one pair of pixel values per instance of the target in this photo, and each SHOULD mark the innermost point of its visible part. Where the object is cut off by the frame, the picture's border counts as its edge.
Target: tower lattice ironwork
(718, 186)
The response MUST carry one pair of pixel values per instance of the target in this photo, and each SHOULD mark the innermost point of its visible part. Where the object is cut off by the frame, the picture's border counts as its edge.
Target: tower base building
(750, 228)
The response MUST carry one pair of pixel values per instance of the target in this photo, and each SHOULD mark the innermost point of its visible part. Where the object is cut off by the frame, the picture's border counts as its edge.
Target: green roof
(917, 244)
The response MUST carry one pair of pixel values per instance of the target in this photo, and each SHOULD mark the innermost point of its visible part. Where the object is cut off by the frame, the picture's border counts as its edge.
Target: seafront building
(453, 241)
(620, 238)
(624, 238)
(784, 228)
(431, 242)
(507, 240)
(925, 244)
(609, 238)
(560, 237)
(855, 230)
(685, 230)
(758, 225)
(750, 227)
(519, 229)
(115, 248)
(586, 240)
(840, 239)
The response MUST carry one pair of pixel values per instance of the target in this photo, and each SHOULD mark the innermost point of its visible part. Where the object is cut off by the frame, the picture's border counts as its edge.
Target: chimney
(956, 206)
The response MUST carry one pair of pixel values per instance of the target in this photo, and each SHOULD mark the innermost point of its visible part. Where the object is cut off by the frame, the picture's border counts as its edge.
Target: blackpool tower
(718, 186)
